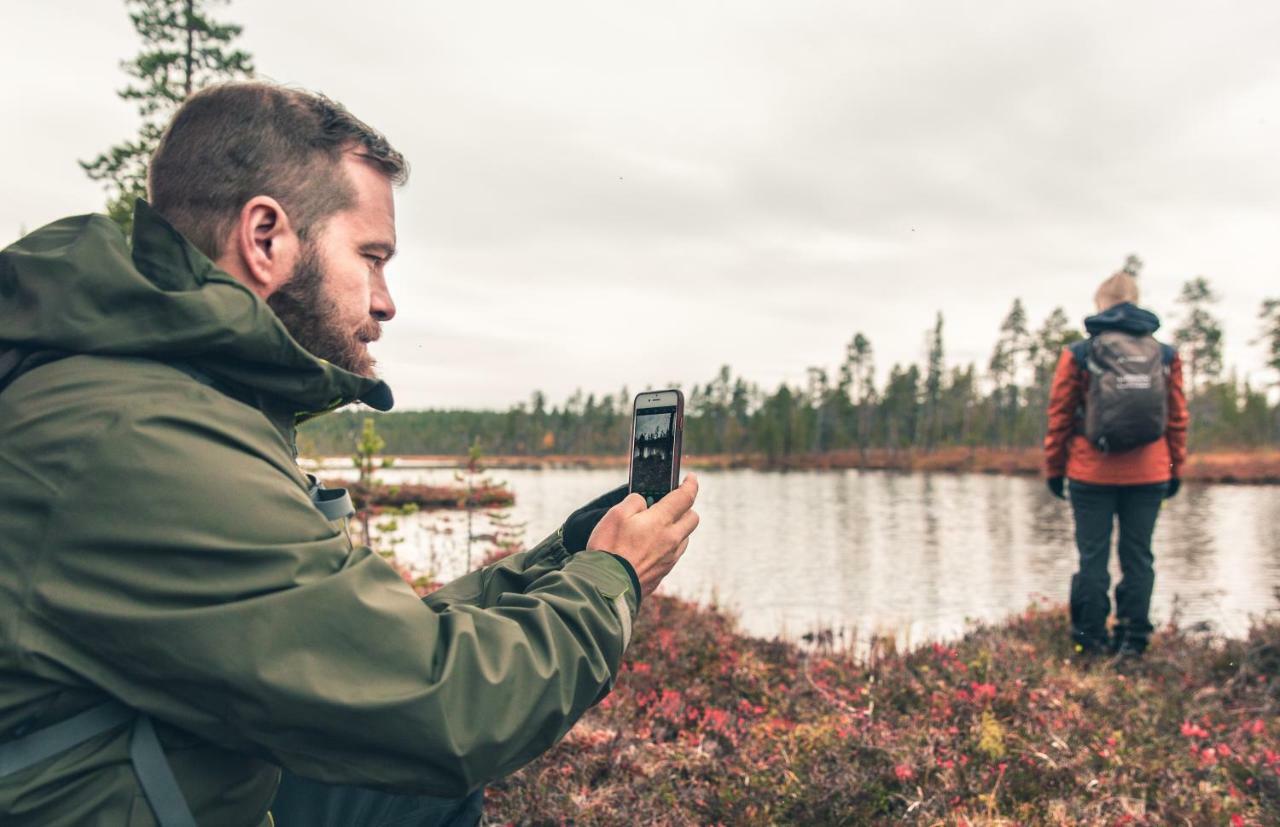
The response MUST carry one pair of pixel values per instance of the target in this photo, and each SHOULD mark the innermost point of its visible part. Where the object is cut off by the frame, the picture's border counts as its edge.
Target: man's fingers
(687, 523)
(678, 501)
(630, 506)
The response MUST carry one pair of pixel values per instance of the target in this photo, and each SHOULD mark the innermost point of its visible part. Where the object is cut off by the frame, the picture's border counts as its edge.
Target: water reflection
(910, 554)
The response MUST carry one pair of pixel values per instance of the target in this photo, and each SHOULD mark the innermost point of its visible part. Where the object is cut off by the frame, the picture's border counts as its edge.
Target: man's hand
(650, 539)
(1057, 487)
(580, 524)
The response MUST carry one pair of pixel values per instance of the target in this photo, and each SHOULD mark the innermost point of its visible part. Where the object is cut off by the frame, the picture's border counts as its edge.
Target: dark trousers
(1096, 509)
(301, 802)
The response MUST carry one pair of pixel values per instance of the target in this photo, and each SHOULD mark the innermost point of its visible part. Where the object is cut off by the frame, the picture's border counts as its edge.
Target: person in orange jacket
(1118, 431)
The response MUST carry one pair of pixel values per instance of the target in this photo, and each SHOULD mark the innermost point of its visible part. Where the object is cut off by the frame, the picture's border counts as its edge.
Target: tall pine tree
(1270, 316)
(935, 368)
(184, 49)
(1200, 334)
(1007, 361)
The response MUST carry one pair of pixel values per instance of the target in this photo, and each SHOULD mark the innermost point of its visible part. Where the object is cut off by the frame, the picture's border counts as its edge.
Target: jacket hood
(75, 287)
(1125, 317)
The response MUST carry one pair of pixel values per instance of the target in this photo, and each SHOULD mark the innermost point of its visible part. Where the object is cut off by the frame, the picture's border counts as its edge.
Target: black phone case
(677, 448)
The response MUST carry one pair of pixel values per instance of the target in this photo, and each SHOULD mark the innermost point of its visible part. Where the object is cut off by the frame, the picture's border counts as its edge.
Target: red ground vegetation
(708, 726)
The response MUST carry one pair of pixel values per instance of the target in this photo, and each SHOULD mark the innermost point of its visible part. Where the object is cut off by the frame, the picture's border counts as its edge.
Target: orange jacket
(1068, 453)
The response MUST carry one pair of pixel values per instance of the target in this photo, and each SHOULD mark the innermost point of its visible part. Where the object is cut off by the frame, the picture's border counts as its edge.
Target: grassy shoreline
(709, 726)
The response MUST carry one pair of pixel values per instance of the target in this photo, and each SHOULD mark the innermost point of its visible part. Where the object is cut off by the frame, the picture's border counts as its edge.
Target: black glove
(1057, 487)
(1172, 490)
(578, 528)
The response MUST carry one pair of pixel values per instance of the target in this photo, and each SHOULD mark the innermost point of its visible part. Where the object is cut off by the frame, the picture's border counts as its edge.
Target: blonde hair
(1121, 287)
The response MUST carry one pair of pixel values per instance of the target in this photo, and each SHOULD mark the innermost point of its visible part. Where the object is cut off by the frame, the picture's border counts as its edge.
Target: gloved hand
(1057, 487)
(578, 528)
(1174, 485)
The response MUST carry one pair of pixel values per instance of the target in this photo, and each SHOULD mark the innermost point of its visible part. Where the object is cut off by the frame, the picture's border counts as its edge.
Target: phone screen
(653, 454)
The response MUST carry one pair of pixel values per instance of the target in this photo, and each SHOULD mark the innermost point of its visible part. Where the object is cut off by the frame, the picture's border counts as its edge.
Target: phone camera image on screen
(653, 453)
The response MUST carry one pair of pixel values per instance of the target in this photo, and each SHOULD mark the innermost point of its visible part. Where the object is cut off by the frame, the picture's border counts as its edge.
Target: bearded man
(182, 613)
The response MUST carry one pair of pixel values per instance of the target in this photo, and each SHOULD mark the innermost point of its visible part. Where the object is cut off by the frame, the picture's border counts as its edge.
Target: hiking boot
(1126, 643)
(1130, 649)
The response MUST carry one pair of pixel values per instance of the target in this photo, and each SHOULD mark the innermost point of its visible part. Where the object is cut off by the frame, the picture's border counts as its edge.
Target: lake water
(913, 555)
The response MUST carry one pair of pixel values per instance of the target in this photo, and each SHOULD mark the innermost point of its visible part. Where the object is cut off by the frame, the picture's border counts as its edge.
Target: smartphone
(657, 427)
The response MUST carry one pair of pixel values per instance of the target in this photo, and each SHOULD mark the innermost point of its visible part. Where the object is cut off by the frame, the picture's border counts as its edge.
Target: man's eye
(373, 258)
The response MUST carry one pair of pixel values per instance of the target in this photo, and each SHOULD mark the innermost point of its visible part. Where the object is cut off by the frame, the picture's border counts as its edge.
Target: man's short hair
(229, 143)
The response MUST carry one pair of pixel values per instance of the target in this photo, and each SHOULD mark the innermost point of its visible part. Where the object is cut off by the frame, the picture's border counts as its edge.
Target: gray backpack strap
(156, 777)
(29, 750)
(149, 764)
(333, 503)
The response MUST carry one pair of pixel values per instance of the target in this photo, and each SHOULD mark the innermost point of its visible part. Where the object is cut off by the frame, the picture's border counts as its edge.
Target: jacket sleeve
(1179, 418)
(484, 587)
(191, 578)
(1064, 400)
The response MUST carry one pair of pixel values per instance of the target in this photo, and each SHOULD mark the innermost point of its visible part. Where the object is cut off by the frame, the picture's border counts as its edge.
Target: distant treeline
(919, 407)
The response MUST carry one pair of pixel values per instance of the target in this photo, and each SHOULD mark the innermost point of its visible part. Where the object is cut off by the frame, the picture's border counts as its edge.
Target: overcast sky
(608, 194)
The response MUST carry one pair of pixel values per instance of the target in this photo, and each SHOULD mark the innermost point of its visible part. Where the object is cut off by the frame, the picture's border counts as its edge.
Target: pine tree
(859, 365)
(933, 382)
(775, 436)
(958, 404)
(818, 399)
(901, 406)
(1270, 316)
(1200, 335)
(717, 406)
(1007, 360)
(1046, 348)
(184, 50)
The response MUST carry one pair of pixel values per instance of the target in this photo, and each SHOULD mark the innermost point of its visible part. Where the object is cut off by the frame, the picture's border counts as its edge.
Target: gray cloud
(607, 194)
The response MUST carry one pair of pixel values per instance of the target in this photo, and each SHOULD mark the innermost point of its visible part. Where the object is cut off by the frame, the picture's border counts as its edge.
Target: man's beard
(304, 307)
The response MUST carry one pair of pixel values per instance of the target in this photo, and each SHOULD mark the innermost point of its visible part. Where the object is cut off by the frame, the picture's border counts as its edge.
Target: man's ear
(263, 248)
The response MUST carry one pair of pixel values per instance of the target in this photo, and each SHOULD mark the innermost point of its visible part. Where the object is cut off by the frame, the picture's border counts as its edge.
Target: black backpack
(1127, 401)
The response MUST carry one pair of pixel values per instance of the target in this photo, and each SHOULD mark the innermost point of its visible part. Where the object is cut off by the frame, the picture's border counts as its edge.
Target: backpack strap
(35, 747)
(1080, 352)
(333, 503)
(155, 776)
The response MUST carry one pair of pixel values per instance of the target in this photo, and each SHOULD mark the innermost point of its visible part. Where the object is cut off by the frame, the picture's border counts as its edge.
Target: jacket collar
(1125, 317)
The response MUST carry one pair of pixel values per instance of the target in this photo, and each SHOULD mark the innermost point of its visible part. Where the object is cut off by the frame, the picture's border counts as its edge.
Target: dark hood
(74, 287)
(1125, 317)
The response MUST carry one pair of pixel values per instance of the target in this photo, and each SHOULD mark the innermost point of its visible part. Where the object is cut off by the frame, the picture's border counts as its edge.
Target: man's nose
(381, 306)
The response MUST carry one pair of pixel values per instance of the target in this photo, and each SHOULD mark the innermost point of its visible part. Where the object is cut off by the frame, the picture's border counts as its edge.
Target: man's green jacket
(158, 547)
